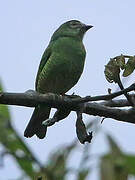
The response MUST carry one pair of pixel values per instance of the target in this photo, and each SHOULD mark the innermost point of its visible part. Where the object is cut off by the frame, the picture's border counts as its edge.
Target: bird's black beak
(87, 27)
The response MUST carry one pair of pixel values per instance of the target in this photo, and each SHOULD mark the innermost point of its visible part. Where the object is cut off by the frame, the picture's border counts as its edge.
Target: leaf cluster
(116, 65)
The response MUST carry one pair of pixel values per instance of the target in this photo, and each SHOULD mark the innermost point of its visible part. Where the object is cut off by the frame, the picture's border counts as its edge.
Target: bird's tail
(35, 124)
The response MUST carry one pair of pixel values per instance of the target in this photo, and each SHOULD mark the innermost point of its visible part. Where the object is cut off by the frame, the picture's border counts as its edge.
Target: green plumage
(60, 69)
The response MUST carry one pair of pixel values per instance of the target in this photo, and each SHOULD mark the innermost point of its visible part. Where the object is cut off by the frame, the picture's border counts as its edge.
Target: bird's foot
(31, 92)
(73, 95)
(49, 121)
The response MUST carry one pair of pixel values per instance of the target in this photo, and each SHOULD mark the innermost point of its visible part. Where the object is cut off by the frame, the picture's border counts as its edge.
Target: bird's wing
(44, 59)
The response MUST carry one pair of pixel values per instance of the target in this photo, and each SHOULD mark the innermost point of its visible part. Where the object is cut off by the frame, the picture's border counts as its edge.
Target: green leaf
(57, 162)
(116, 163)
(11, 141)
(114, 148)
(82, 174)
(130, 66)
(121, 61)
(113, 168)
(112, 71)
(106, 168)
(130, 163)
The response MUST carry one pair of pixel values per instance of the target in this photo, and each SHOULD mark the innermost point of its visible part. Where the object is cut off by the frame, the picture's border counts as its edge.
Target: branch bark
(102, 109)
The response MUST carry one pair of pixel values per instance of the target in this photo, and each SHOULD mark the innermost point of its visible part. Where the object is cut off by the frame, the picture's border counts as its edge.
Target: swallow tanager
(60, 69)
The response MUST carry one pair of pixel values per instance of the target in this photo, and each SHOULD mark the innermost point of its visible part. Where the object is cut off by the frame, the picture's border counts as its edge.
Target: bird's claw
(30, 91)
(49, 122)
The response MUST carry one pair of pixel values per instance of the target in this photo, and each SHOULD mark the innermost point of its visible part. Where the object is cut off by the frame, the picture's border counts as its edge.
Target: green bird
(60, 69)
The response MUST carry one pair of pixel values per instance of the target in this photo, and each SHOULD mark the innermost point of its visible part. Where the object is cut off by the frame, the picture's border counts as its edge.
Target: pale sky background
(25, 30)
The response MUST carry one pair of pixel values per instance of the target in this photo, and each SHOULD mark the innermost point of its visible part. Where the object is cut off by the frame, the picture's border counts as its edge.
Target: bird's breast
(63, 69)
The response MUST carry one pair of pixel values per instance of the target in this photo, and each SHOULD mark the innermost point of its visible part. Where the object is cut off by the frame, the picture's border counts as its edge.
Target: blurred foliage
(114, 165)
(13, 144)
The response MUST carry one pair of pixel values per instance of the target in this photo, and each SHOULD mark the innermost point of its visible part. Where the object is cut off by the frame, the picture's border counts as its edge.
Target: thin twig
(105, 97)
(125, 93)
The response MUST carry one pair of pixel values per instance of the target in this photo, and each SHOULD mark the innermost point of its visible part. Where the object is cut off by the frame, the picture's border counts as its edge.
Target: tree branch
(125, 115)
(118, 102)
(32, 99)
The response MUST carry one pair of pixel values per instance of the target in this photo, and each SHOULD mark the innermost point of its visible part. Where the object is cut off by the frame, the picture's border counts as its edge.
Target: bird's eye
(74, 25)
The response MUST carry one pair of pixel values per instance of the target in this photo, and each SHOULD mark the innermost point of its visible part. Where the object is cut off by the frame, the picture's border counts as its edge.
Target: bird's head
(73, 28)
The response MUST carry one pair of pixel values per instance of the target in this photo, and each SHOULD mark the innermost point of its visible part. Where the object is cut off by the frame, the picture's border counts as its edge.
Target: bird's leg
(59, 115)
(31, 92)
(49, 121)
